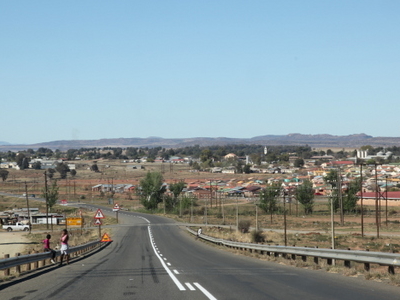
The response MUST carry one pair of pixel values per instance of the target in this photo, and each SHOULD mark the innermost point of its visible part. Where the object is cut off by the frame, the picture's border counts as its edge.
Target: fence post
(6, 271)
(18, 268)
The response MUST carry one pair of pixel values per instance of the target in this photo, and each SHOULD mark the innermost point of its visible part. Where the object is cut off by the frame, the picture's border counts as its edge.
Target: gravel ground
(13, 242)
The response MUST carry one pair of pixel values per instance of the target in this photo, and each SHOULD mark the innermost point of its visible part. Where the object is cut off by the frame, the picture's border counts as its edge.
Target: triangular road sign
(98, 222)
(116, 207)
(106, 238)
(99, 214)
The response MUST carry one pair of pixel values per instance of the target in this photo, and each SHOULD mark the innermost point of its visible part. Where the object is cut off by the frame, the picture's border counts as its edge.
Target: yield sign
(116, 207)
(98, 222)
(99, 214)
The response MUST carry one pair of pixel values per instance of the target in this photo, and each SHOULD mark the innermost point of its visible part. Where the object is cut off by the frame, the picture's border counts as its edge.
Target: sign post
(98, 216)
(80, 214)
(116, 209)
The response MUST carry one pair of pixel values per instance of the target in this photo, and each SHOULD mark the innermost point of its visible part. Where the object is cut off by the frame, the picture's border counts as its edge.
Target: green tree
(305, 195)
(151, 190)
(37, 165)
(63, 169)
(299, 163)
(269, 198)
(177, 188)
(22, 161)
(94, 168)
(256, 158)
(350, 197)
(239, 165)
(332, 179)
(247, 169)
(73, 172)
(205, 155)
(195, 166)
(50, 173)
(51, 195)
(3, 174)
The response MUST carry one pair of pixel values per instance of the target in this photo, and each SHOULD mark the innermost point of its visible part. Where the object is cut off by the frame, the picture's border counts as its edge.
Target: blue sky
(109, 69)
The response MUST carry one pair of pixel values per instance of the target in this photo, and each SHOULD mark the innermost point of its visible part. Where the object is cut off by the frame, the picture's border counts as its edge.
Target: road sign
(99, 214)
(106, 238)
(64, 202)
(98, 222)
(116, 207)
(74, 221)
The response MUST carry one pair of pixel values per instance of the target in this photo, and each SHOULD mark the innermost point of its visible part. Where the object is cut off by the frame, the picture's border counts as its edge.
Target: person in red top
(46, 246)
(64, 246)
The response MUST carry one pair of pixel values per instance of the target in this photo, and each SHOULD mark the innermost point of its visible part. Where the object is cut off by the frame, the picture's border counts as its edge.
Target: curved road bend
(152, 258)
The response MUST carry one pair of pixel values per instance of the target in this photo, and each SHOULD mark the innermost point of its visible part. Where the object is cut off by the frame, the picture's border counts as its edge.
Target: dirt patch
(14, 242)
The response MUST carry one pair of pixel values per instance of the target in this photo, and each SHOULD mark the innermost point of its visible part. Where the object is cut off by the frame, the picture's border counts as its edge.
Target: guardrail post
(36, 263)
(329, 261)
(304, 258)
(391, 270)
(347, 262)
(18, 268)
(42, 263)
(28, 265)
(316, 260)
(293, 256)
(366, 266)
(6, 271)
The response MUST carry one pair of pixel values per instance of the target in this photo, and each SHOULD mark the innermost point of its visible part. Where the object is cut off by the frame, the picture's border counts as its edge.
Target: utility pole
(376, 203)
(340, 197)
(237, 214)
(386, 194)
(46, 196)
(210, 194)
(27, 206)
(284, 216)
(362, 199)
(332, 224)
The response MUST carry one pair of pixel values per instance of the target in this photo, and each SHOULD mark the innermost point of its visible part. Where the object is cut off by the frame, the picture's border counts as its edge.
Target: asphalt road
(153, 258)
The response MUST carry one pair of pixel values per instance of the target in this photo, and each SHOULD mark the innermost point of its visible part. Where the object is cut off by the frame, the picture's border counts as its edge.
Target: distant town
(377, 169)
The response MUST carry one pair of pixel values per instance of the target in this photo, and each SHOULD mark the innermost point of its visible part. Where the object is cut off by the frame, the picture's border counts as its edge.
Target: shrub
(244, 226)
(257, 236)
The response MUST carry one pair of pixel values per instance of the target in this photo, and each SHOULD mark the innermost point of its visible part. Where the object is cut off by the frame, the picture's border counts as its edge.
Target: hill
(316, 140)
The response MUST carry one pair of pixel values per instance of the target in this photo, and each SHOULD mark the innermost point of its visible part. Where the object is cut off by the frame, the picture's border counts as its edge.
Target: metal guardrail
(390, 260)
(8, 263)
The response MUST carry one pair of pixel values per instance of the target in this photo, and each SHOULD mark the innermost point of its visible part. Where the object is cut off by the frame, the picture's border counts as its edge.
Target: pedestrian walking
(46, 246)
(64, 246)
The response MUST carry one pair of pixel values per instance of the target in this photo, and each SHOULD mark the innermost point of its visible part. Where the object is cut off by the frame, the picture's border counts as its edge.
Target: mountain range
(312, 140)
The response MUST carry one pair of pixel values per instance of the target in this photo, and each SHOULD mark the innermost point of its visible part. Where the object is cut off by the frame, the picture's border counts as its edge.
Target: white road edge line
(178, 284)
(205, 292)
(190, 286)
